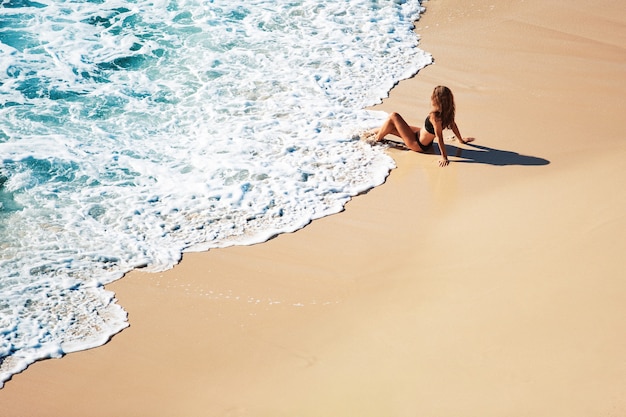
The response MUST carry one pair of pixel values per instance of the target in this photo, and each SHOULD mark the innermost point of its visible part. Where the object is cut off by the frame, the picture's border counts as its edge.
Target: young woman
(418, 139)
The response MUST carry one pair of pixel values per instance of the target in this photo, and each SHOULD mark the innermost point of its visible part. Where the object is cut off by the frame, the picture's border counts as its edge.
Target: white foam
(132, 131)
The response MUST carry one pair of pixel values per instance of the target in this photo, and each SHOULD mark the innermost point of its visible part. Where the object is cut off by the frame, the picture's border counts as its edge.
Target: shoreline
(489, 287)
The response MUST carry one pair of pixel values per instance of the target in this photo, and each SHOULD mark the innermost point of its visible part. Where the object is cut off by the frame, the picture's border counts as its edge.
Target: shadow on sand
(479, 154)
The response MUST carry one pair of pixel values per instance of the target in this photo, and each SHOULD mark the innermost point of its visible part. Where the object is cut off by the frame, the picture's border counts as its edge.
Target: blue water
(131, 131)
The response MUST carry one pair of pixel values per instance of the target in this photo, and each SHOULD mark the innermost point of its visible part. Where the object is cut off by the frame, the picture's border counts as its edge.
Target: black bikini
(429, 126)
(430, 129)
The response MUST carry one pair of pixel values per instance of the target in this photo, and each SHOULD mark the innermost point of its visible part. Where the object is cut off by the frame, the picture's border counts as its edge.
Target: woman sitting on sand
(441, 117)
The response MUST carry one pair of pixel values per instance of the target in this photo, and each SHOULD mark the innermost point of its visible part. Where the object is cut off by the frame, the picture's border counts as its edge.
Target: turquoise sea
(134, 130)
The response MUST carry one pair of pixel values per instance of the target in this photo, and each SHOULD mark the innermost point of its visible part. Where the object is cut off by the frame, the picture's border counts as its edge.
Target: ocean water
(134, 130)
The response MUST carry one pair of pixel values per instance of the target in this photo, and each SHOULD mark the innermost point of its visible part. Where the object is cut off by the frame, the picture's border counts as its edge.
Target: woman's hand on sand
(467, 140)
(443, 162)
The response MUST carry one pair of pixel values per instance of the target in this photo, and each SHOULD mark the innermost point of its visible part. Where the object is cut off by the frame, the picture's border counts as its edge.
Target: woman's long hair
(444, 101)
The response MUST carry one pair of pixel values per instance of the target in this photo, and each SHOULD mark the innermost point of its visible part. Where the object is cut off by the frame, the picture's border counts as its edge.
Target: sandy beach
(493, 287)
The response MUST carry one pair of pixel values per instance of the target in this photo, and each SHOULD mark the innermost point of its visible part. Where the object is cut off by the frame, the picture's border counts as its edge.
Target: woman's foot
(369, 137)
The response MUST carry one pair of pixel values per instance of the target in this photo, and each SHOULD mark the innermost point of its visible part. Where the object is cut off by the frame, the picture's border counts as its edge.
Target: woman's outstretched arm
(457, 133)
(442, 146)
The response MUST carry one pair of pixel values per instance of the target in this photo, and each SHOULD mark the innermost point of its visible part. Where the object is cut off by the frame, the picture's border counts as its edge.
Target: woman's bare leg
(396, 125)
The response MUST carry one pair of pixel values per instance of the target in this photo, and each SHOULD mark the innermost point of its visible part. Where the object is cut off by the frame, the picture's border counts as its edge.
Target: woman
(441, 117)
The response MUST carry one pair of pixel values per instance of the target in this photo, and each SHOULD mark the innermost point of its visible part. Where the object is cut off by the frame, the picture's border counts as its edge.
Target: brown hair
(444, 102)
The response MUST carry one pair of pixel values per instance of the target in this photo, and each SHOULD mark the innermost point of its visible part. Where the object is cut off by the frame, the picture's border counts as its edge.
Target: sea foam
(131, 131)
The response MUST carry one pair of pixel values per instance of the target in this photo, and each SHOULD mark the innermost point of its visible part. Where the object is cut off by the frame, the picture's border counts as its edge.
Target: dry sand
(493, 287)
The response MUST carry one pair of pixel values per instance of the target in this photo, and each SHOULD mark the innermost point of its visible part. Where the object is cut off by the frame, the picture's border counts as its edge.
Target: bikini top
(429, 126)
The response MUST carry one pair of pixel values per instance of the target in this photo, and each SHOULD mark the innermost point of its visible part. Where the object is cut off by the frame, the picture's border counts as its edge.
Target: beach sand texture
(492, 287)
